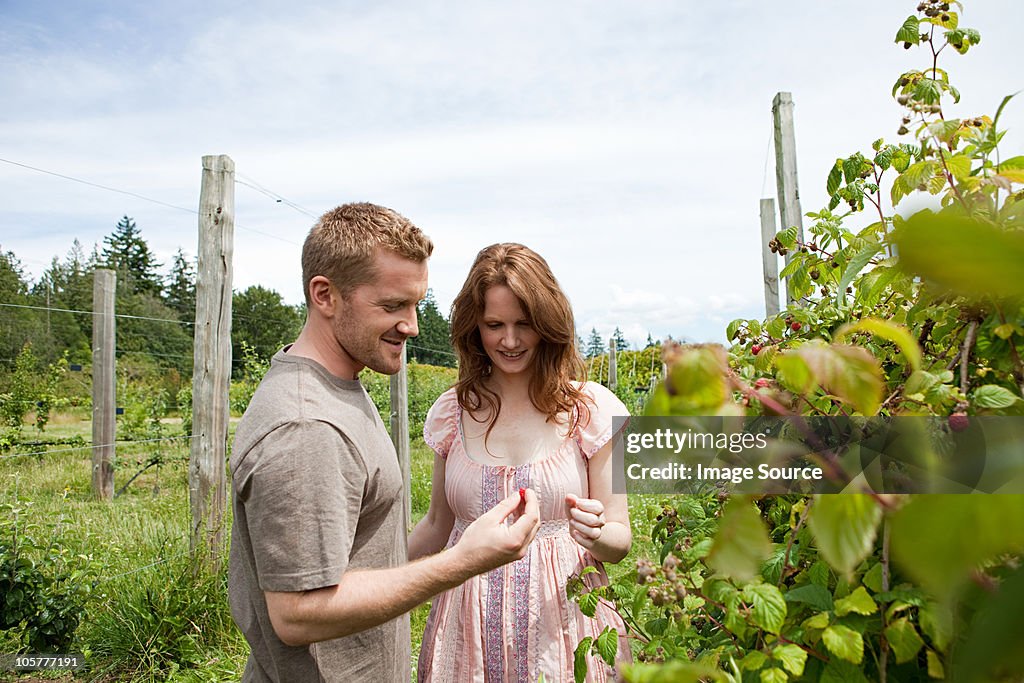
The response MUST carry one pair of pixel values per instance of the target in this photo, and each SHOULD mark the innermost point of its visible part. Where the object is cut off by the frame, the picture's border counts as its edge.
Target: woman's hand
(586, 519)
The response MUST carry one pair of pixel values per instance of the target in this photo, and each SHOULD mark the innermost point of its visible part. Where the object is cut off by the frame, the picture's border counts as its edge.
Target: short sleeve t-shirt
(316, 490)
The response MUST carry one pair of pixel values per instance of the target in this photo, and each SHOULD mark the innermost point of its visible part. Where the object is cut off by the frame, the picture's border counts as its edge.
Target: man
(319, 580)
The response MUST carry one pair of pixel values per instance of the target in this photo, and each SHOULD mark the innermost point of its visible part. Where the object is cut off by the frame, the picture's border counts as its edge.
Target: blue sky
(627, 142)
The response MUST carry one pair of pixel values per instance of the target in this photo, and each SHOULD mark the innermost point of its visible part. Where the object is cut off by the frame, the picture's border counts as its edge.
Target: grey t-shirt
(316, 490)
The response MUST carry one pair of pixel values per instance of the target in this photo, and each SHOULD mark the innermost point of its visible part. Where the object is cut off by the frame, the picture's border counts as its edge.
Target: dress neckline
(543, 457)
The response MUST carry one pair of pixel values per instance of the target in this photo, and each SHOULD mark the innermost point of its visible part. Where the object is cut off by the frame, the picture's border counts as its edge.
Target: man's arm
(365, 598)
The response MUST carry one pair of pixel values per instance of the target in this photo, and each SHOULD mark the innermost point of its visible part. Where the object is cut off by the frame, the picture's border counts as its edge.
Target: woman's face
(508, 338)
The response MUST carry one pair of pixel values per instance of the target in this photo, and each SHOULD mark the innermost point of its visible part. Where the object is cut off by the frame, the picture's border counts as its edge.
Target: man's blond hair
(343, 243)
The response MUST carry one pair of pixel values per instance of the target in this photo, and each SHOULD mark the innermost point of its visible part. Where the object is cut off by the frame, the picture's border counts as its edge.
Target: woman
(516, 419)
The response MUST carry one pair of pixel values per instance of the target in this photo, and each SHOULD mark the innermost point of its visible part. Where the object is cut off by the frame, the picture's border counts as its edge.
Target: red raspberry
(958, 422)
(762, 383)
(795, 326)
(755, 349)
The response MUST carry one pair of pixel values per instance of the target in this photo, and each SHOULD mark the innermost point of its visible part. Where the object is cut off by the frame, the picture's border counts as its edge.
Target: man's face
(376, 318)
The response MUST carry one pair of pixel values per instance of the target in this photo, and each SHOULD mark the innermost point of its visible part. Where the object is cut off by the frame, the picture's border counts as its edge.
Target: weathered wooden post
(400, 430)
(211, 377)
(104, 383)
(785, 167)
(613, 368)
(769, 262)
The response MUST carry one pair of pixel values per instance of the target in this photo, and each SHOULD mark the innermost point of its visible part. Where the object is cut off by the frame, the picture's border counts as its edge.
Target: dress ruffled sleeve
(592, 435)
(441, 426)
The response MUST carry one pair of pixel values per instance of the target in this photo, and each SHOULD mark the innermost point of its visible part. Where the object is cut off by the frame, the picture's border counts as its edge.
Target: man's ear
(322, 295)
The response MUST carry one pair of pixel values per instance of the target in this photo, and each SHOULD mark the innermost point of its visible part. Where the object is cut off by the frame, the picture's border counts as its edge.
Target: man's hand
(586, 519)
(490, 541)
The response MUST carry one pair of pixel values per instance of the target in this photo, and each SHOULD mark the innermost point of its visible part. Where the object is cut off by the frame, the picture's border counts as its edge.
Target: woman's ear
(321, 295)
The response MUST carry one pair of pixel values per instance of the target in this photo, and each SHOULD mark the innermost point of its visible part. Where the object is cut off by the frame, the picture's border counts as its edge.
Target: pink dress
(516, 622)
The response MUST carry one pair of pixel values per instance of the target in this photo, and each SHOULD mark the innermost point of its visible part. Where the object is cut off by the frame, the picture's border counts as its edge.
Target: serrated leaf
(579, 660)
(884, 158)
(848, 372)
(835, 178)
(937, 623)
(928, 90)
(773, 675)
(588, 603)
(608, 645)
(768, 607)
(794, 373)
(817, 622)
(741, 542)
(844, 527)
(858, 601)
(993, 397)
(873, 578)
(964, 255)
(1014, 175)
(793, 658)
(959, 166)
(886, 330)
(813, 595)
(903, 639)
(910, 31)
(844, 643)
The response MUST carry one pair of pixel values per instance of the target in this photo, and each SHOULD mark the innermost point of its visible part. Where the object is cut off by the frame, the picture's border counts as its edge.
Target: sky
(629, 143)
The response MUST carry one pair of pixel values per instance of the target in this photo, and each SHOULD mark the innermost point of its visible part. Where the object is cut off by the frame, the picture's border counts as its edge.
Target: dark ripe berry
(812, 246)
(833, 264)
(849, 290)
(906, 120)
(796, 326)
(815, 274)
(921, 7)
(945, 17)
(762, 383)
(824, 291)
(906, 46)
(958, 422)
(755, 349)
(944, 7)
(902, 130)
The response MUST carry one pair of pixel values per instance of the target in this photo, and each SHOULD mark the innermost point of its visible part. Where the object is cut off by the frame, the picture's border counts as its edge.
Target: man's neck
(322, 347)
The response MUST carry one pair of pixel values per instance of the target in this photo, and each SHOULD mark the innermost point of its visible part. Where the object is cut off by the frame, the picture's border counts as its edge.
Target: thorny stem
(965, 356)
(789, 546)
(883, 674)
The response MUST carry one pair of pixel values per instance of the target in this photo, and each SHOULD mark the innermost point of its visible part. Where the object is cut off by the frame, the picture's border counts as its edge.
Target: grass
(149, 615)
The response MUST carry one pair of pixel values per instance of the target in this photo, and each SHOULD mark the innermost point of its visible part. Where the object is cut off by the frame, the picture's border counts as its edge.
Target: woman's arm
(601, 523)
(432, 532)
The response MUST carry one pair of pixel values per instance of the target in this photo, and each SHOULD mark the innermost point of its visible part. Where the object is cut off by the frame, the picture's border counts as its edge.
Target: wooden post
(211, 377)
(613, 368)
(785, 167)
(400, 430)
(769, 262)
(104, 385)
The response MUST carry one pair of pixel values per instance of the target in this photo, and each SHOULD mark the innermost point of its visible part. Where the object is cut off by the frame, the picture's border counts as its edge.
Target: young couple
(322, 573)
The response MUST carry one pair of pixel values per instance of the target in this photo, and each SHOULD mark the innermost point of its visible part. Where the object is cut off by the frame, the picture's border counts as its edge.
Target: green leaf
(963, 255)
(887, 330)
(608, 645)
(835, 178)
(773, 675)
(844, 643)
(935, 668)
(910, 31)
(852, 167)
(873, 578)
(858, 601)
(741, 543)
(588, 603)
(817, 622)
(673, 671)
(815, 596)
(768, 607)
(849, 372)
(903, 639)
(937, 623)
(844, 527)
(928, 91)
(884, 157)
(857, 264)
(959, 166)
(974, 529)
(579, 661)
(838, 671)
(793, 658)
(993, 396)
(753, 660)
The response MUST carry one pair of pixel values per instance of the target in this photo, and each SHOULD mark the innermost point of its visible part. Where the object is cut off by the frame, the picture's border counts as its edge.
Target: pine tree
(595, 345)
(650, 341)
(128, 254)
(620, 341)
(261, 319)
(180, 292)
(433, 345)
